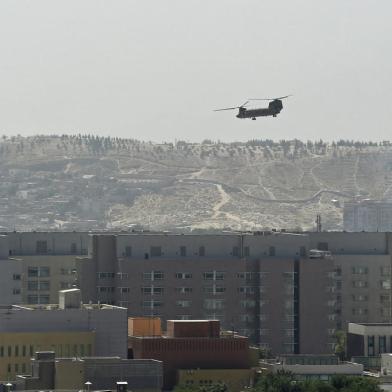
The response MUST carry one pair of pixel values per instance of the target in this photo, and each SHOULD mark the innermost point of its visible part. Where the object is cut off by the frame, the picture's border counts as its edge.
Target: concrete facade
(50, 373)
(368, 339)
(263, 285)
(367, 215)
(16, 348)
(250, 283)
(204, 350)
(109, 324)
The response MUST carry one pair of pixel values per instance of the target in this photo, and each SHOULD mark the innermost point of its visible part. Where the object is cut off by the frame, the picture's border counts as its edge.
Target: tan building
(16, 348)
(103, 373)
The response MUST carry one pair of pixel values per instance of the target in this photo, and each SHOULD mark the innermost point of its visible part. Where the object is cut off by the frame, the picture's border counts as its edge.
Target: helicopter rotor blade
(269, 99)
(244, 104)
(218, 110)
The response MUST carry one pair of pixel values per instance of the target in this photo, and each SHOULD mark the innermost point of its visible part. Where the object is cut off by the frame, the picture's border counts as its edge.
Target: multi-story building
(68, 329)
(254, 284)
(47, 263)
(367, 215)
(269, 286)
(11, 276)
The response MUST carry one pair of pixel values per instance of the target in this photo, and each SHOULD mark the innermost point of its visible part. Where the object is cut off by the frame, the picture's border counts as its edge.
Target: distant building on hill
(368, 215)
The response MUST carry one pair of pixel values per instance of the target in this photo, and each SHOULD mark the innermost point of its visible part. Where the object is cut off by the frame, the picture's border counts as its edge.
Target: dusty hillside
(83, 182)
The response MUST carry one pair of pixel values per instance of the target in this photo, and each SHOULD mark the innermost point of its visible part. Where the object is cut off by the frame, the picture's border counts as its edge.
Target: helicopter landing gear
(274, 115)
(253, 118)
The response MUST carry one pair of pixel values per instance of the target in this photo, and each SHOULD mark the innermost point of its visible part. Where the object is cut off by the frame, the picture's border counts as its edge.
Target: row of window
(383, 284)
(41, 247)
(16, 351)
(61, 350)
(210, 275)
(38, 272)
(363, 270)
(156, 290)
(156, 251)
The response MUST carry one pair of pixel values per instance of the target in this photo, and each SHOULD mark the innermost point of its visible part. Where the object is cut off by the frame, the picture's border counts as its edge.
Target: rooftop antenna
(318, 223)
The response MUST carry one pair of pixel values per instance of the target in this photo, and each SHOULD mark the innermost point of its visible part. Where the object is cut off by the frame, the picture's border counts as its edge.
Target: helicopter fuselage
(274, 108)
(252, 113)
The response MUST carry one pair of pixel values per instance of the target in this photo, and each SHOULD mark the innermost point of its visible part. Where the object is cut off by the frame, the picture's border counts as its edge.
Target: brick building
(192, 345)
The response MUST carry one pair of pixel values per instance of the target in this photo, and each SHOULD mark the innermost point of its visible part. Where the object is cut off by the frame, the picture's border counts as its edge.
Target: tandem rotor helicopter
(274, 108)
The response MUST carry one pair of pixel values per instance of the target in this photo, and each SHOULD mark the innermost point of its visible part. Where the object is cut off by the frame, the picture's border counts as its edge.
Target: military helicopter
(274, 108)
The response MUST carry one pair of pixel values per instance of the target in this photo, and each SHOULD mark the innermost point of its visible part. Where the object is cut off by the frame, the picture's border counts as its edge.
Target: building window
(152, 304)
(184, 317)
(236, 251)
(44, 299)
(73, 248)
(122, 275)
(370, 344)
(183, 303)
(124, 290)
(32, 285)
(183, 290)
(105, 275)
(16, 291)
(247, 318)
(247, 290)
(183, 275)
(385, 271)
(359, 270)
(214, 275)
(155, 251)
(128, 251)
(202, 251)
(41, 247)
(360, 311)
(16, 277)
(151, 290)
(302, 251)
(214, 303)
(153, 275)
(183, 251)
(105, 289)
(271, 251)
(360, 284)
(248, 303)
(359, 298)
(382, 344)
(214, 289)
(384, 299)
(32, 272)
(385, 284)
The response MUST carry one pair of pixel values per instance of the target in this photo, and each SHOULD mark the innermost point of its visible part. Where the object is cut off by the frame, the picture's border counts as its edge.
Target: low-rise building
(192, 345)
(369, 339)
(68, 329)
(101, 373)
(313, 367)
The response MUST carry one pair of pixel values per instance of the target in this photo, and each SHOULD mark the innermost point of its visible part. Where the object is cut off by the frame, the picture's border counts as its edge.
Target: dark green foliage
(285, 382)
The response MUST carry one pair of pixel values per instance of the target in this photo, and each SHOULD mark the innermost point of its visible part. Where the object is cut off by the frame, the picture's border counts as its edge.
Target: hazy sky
(155, 70)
